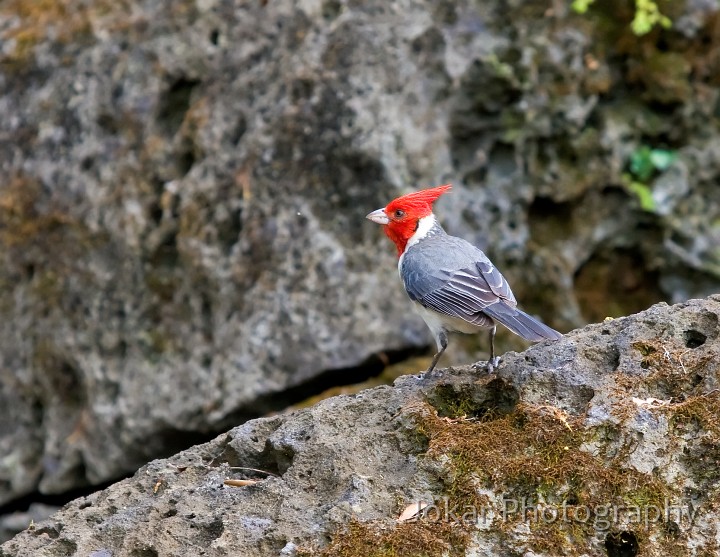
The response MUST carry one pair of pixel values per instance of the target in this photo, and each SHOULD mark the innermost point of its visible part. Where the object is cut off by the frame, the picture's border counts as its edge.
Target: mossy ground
(572, 476)
(535, 455)
(416, 539)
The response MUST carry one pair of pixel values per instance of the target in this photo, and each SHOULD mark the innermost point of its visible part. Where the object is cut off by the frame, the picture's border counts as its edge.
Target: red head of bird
(401, 216)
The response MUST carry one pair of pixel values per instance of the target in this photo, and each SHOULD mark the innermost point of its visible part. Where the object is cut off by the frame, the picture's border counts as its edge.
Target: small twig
(253, 470)
(240, 483)
(680, 357)
(669, 358)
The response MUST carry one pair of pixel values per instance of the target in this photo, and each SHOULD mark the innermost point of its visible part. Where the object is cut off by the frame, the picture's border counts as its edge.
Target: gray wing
(481, 298)
(463, 293)
(453, 277)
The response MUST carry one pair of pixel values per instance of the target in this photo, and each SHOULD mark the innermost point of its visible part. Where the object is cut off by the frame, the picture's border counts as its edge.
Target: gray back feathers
(446, 268)
(452, 277)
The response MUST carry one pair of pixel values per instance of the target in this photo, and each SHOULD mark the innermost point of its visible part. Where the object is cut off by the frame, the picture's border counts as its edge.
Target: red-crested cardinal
(453, 284)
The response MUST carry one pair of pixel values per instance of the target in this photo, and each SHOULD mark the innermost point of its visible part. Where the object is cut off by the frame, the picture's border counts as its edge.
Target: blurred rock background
(184, 185)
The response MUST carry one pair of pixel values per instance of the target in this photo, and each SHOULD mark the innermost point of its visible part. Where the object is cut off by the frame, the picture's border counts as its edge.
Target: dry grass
(535, 451)
(678, 378)
(411, 539)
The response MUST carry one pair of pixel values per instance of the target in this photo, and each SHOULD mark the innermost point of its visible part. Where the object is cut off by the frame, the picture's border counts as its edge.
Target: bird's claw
(490, 366)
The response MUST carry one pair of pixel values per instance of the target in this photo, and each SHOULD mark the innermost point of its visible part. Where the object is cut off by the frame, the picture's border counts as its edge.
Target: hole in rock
(175, 104)
(621, 544)
(693, 338)
(616, 283)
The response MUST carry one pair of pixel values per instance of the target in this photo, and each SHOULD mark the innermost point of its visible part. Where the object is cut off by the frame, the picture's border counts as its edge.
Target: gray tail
(521, 323)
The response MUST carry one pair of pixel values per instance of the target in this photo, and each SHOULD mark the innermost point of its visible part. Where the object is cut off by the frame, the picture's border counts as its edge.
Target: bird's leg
(442, 343)
(494, 361)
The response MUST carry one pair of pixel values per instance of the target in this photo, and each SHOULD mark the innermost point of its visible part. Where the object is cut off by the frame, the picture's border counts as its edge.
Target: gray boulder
(182, 233)
(604, 443)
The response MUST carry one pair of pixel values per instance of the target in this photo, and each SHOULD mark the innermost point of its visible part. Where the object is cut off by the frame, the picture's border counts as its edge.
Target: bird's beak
(379, 216)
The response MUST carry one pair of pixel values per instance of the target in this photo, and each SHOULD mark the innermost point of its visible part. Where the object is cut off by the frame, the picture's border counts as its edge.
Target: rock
(11, 524)
(616, 419)
(182, 233)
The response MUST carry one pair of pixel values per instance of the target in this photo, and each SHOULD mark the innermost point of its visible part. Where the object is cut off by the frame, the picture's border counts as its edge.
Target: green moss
(642, 192)
(644, 348)
(647, 16)
(494, 398)
(452, 403)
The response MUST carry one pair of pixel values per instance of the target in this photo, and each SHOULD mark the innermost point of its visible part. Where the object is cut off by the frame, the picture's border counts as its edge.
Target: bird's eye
(399, 213)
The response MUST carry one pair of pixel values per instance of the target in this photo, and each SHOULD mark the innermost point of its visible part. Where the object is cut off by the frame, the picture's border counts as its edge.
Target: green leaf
(647, 16)
(644, 195)
(641, 165)
(581, 6)
(661, 159)
(644, 161)
(641, 25)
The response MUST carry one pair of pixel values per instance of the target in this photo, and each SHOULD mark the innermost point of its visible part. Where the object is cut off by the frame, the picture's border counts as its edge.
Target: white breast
(425, 224)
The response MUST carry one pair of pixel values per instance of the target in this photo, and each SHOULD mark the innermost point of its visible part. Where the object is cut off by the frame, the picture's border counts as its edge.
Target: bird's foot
(491, 365)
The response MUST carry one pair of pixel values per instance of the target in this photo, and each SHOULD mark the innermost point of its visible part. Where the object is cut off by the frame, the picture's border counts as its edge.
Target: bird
(454, 286)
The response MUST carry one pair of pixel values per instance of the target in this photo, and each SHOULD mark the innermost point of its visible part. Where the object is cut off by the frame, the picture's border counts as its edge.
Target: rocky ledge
(605, 443)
